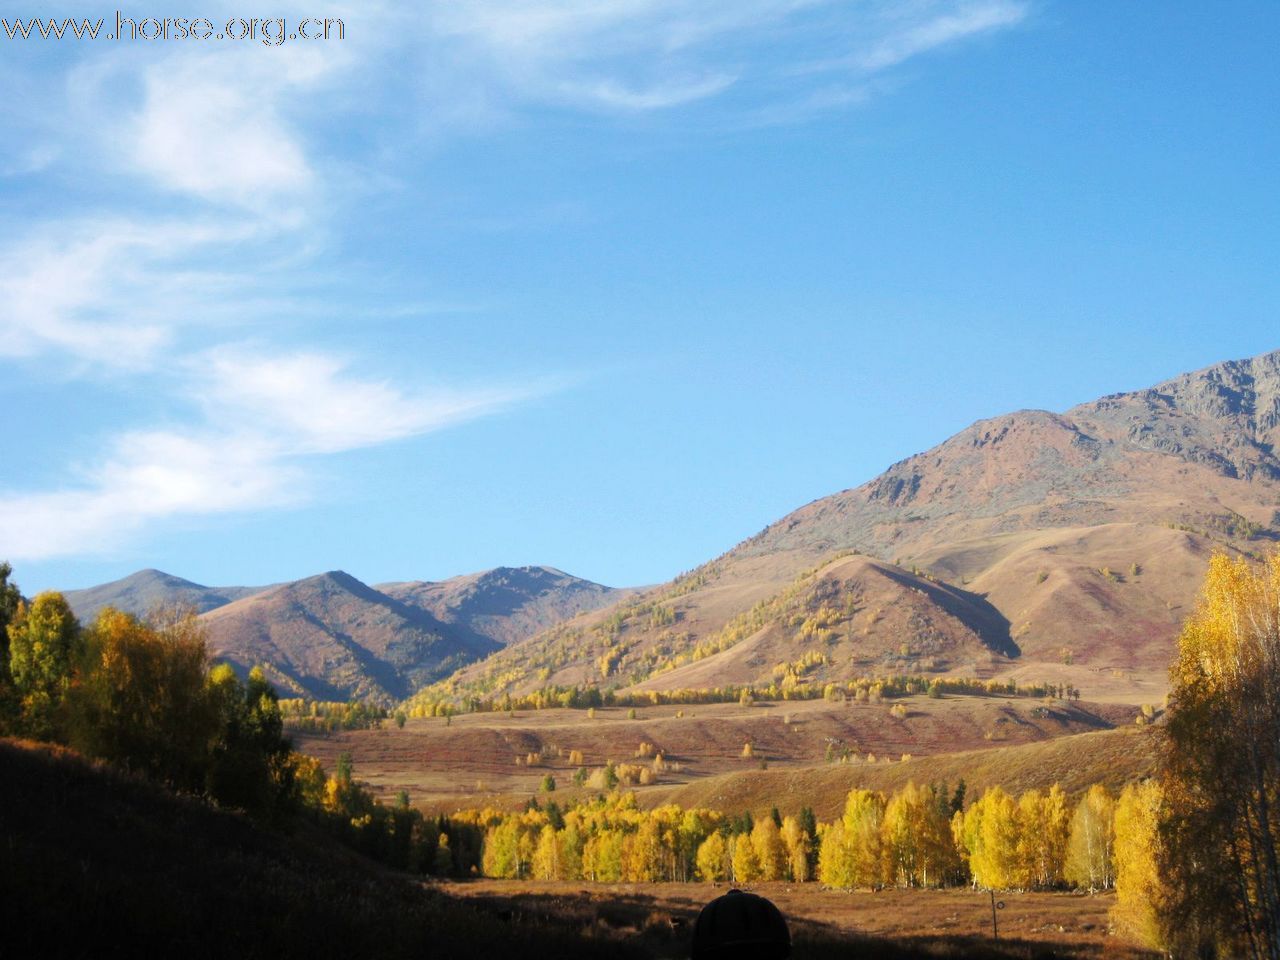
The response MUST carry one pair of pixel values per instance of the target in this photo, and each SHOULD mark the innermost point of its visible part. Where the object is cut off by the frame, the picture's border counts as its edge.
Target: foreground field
(887, 923)
(484, 757)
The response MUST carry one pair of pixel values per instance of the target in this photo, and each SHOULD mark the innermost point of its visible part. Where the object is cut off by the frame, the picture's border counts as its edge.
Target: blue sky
(607, 286)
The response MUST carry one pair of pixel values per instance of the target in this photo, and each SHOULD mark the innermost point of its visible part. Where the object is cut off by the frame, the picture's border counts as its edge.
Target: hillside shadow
(972, 609)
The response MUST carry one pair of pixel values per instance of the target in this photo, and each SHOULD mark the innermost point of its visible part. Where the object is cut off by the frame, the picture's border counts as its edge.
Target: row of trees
(434, 702)
(327, 716)
(917, 837)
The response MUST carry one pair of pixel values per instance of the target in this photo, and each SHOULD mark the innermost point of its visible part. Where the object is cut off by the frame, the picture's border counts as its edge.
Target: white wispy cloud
(210, 126)
(264, 419)
(653, 55)
(110, 292)
(941, 29)
(309, 402)
(147, 477)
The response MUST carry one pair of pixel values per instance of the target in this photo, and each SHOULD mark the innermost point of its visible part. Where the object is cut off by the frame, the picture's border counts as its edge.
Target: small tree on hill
(44, 644)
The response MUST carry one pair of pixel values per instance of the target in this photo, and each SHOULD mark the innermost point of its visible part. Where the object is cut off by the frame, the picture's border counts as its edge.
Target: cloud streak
(264, 420)
(635, 56)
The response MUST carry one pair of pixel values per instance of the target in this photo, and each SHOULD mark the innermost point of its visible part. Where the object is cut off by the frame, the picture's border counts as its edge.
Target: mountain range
(1033, 545)
(1030, 546)
(332, 637)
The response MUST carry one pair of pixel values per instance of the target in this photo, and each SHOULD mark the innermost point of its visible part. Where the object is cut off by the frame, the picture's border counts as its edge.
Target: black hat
(741, 926)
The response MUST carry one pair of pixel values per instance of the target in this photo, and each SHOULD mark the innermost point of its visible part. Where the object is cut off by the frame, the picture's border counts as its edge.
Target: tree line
(440, 700)
(916, 837)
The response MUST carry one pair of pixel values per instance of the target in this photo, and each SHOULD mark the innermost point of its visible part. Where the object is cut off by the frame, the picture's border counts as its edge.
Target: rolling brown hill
(1087, 532)
(483, 758)
(334, 638)
(505, 604)
(1112, 758)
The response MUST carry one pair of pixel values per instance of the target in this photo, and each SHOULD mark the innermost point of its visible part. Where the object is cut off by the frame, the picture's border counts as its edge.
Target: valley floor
(824, 922)
(484, 758)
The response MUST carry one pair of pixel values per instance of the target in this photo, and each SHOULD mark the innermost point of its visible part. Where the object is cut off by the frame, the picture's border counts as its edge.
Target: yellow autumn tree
(1139, 892)
(571, 844)
(988, 833)
(711, 857)
(1220, 771)
(835, 859)
(602, 856)
(851, 852)
(904, 836)
(771, 853)
(796, 842)
(644, 854)
(1042, 828)
(917, 837)
(1089, 863)
(745, 863)
(546, 856)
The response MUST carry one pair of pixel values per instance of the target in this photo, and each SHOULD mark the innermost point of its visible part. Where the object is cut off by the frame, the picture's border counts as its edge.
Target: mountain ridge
(1088, 530)
(331, 636)
(141, 591)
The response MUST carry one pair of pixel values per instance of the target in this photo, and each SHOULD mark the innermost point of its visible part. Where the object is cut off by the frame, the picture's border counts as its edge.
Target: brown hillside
(334, 638)
(1110, 757)
(1088, 532)
(863, 617)
(141, 592)
(482, 758)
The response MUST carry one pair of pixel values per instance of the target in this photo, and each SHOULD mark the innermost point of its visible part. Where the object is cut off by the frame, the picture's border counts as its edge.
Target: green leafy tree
(143, 701)
(10, 600)
(249, 763)
(44, 644)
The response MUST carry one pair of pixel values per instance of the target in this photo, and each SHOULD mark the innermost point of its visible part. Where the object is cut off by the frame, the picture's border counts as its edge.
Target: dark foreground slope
(95, 864)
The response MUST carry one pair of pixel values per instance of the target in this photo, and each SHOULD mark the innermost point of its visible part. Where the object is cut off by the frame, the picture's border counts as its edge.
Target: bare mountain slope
(332, 637)
(1087, 531)
(505, 604)
(1196, 450)
(851, 616)
(141, 592)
